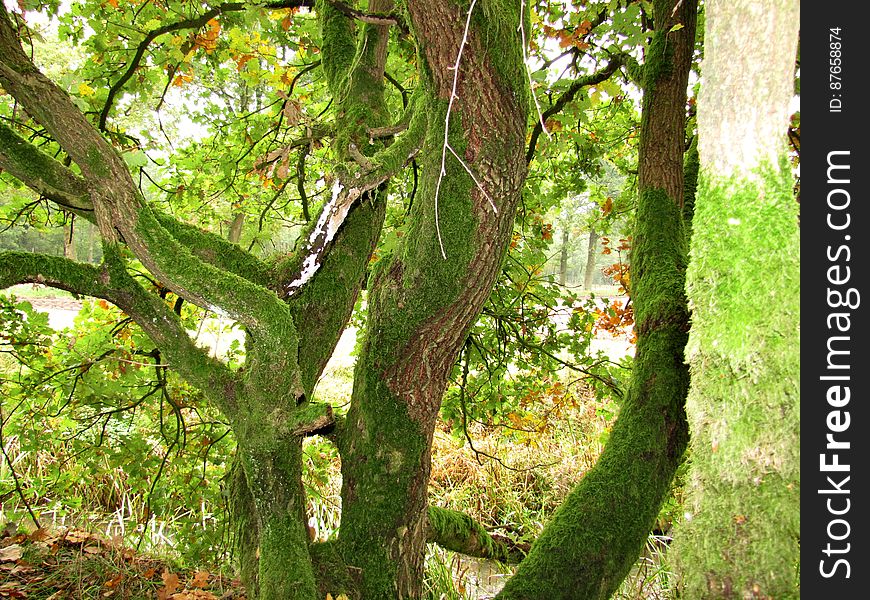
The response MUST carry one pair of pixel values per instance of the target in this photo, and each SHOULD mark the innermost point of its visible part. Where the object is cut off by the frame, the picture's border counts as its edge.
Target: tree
(465, 125)
(744, 404)
(596, 535)
(468, 116)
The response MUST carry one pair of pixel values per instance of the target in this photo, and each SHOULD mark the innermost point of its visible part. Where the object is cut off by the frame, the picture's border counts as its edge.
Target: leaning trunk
(598, 533)
(426, 296)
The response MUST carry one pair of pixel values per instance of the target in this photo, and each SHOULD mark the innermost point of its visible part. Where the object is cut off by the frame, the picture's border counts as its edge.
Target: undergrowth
(163, 517)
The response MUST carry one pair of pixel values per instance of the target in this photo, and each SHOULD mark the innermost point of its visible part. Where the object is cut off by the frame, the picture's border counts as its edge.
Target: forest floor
(73, 564)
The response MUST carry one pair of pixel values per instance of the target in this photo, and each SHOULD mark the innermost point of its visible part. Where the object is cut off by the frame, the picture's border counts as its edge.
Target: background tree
(744, 405)
(595, 536)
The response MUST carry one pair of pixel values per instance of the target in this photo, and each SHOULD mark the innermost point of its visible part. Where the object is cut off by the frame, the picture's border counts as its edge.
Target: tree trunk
(744, 405)
(424, 299)
(236, 227)
(563, 257)
(69, 246)
(597, 534)
(591, 255)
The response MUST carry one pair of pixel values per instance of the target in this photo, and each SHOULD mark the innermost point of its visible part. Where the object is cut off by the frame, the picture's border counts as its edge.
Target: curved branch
(110, 281)
(194, 23)
(603, 75)
(54, 181)
(460, 533)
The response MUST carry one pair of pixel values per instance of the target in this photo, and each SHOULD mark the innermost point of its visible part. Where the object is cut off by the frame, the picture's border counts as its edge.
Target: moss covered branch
(217, 251)
(460, 533)
(43, 174)
(110, 281)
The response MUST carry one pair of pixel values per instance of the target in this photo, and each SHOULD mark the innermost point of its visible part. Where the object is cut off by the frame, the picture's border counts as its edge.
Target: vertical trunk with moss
(744, 285)
(353, 61)
(422, 304)
(598, 533)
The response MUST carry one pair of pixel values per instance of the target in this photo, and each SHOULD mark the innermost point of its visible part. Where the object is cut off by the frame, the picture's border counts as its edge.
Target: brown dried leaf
(11, 553)
(170, 581)
(200, 579)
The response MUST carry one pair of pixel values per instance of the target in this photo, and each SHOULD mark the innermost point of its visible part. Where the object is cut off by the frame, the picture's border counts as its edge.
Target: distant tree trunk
(597, 534)
(563, 257)
(591, 255)
(236, 226)
(742, 539)
(69, 246)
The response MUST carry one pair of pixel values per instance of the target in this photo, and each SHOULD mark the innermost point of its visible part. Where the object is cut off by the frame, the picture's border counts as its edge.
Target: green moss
(498, 28)
(691, 165)
(744, 405)
(597, 534)
(273, 476)
(97, 165)
(217, 250)
(41, 171)
(457, 531)
(382, 451)
(338, 45)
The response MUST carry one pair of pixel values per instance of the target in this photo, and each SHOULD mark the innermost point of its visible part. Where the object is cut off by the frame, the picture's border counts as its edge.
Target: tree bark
(421, 304)
(743, 539)
(597, 534)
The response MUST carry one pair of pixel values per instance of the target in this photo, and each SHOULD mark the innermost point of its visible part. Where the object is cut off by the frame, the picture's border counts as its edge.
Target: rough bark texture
(744, 405)
(421, 304)
(599, 531)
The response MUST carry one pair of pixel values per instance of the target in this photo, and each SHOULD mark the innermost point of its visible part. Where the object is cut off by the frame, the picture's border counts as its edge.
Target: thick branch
(345, 194)
(216, 250)
(370, 18)
(110, 281)
(569, 95)
(43, 174)
(54, 181)
(460, 533)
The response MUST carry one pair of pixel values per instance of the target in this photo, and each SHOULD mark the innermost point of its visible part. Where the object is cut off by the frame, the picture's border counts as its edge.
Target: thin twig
(522, 30)
(443, 172)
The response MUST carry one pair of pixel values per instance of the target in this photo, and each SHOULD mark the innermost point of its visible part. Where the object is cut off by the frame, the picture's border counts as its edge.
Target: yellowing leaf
(86, 90)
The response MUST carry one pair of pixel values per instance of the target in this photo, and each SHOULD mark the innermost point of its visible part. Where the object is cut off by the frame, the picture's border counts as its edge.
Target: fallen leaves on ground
(74, 563)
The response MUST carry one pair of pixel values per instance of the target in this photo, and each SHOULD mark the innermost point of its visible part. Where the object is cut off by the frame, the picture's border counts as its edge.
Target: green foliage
(98, 428)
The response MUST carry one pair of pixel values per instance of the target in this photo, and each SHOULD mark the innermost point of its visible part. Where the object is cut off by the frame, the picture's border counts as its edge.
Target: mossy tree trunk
(743, 283)
(597, 534)
(422, 303)
(428, 294)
